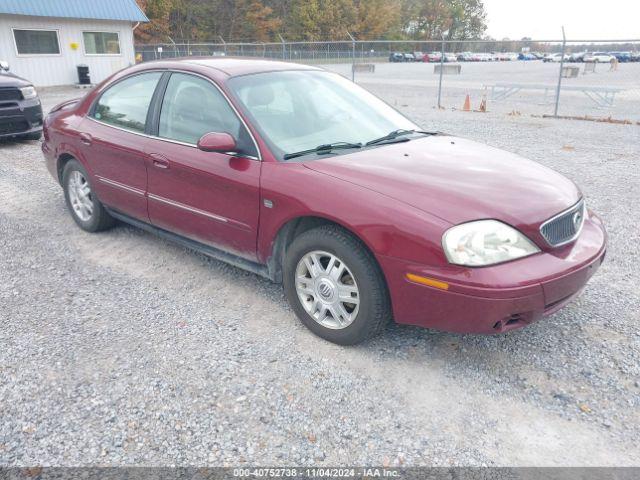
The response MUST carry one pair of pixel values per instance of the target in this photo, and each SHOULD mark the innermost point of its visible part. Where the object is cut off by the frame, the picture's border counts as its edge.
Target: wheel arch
(294, 227)
(61, 162)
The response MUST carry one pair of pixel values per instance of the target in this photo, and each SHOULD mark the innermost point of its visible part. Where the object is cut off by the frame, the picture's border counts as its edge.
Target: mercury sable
(301, 176)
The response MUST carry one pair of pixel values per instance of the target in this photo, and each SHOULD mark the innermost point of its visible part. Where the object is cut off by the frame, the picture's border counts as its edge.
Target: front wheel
(335, 286)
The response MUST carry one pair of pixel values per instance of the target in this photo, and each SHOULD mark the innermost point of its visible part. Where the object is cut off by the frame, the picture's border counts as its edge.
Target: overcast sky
(582, 19)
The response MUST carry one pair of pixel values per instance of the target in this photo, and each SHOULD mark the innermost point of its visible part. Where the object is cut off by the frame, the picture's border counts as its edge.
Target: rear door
(209, 197)
(113, 143)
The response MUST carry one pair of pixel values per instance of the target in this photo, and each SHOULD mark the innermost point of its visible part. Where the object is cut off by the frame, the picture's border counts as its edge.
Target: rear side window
(192, 106)
(127, 102)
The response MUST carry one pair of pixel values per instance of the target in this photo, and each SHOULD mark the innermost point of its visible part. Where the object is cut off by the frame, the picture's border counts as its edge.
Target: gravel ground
(475, 77)
(120, 348)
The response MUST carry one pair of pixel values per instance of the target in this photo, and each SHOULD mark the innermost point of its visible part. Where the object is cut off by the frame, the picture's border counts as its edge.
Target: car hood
(11, 80)
(457, 180)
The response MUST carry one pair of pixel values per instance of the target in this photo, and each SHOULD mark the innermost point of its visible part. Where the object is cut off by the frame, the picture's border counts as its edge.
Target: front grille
(9, 94)
(13, 126)
(564, 227)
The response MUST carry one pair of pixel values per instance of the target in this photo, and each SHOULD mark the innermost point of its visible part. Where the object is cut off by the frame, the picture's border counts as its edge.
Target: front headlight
(485, 242)
(28, 92)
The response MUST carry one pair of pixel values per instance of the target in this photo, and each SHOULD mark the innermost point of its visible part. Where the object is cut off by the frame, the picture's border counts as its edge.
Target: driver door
(209, 197)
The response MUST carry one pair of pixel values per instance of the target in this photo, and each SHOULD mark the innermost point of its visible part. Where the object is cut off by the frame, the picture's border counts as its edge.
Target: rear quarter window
(126, 103)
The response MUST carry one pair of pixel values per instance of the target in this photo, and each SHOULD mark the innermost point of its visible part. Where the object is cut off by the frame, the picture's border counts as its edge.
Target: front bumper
(499, 298)
(20, 118)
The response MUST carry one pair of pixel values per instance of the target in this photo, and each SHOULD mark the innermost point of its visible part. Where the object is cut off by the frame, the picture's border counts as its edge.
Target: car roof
(234, 66)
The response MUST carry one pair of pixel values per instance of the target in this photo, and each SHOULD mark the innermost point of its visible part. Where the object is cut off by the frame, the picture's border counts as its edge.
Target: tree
(303, 21)
(321, 19)
(262, 20)
(468, 19)
(428, 19)
(376, 18)
(157, 12)
(260, 23)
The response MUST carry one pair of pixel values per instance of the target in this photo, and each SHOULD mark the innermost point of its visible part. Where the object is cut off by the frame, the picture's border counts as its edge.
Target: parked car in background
(465, 57)
(418, 56)
(481, 57)
(623, 57)
(362, 215)
(635, 56)
(396, 57)
(20, 108)
(450, 57)
(504, 56)
(526, 56)
(408, 57)
(555, 58)
(432, 57)
(538, 55)
(577, 57)
(598, 57)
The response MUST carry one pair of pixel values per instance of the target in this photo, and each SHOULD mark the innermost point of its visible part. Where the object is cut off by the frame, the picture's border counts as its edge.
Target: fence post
(353, 57)
(224, 45)
(284, 48)
(564, 46)
(441, 71)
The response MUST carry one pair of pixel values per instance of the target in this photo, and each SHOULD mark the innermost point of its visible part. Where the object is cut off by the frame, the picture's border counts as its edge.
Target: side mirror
(217, 142)
(4, 66)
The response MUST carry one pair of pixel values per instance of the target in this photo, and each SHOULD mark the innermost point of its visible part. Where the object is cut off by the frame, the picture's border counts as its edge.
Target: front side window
(36, 42)
(126, 103)
(299, 110)
(192, 106)
(101, 43)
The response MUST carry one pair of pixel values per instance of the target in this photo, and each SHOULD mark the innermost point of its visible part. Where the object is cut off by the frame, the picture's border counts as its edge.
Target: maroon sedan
(302, 177)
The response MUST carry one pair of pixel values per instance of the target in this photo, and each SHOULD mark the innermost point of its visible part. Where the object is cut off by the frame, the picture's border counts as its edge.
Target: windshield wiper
(396, 134)
(323, 149)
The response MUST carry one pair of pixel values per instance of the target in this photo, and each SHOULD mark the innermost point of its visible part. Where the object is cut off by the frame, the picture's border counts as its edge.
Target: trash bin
(83, 75)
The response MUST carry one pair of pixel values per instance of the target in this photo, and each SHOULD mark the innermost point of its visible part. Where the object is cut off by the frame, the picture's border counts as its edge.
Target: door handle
(86, 139)
(159, 161)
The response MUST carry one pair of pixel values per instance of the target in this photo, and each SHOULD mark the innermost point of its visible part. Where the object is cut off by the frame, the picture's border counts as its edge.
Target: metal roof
(94, 9)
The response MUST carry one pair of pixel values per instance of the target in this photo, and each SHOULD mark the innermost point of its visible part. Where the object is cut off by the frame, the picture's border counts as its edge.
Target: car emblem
(325, 290)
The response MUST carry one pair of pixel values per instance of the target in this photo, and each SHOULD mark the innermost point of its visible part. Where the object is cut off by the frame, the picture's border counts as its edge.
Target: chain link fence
(598, 79)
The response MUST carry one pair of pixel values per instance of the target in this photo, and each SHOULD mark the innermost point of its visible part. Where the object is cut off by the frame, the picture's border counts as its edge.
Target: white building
(45, 40)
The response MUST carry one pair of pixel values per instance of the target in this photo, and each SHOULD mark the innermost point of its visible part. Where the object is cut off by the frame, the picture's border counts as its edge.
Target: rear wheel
(335, 286)
(85, 208)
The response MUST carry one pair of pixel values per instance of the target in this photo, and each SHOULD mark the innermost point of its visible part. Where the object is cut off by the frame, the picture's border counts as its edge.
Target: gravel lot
(420, 79)
(120, 348)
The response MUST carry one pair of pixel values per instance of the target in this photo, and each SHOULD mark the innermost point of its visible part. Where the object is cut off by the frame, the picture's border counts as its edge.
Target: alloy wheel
(327, 289)
(80, 196)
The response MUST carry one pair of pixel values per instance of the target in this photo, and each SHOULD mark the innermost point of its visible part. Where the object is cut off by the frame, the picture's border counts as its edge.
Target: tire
(33, 136)
(354, 268)
(98, 218)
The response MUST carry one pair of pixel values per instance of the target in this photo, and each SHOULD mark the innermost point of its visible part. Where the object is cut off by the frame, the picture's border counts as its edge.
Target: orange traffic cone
(467, 104)
(483, 104)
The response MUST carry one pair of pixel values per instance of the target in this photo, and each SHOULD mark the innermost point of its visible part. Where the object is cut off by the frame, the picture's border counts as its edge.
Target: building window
(36, 42)
(101, 43)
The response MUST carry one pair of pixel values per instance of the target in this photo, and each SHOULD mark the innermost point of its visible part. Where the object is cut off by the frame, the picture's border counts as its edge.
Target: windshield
(299, 110)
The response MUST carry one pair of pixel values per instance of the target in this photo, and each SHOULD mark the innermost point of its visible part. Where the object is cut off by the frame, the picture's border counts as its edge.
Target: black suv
(20, 109)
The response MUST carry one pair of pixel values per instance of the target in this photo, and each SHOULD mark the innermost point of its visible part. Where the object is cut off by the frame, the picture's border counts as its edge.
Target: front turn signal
(430, 282)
